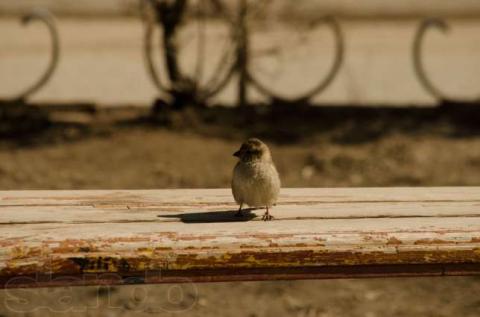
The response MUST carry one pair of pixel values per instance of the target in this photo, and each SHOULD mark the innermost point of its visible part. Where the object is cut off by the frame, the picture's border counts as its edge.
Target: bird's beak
(237, 154)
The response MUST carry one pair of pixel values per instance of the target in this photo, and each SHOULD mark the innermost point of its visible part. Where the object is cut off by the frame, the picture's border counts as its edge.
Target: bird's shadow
(214, 216)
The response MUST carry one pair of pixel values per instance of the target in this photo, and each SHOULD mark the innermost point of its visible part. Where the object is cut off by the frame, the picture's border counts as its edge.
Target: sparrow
(255, 180)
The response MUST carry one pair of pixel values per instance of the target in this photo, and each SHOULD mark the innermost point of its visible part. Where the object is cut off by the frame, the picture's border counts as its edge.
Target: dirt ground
(155, 158)
(328, 146)
(453, 296)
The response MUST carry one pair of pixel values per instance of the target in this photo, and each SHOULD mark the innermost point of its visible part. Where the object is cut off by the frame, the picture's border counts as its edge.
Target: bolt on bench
(59, 238)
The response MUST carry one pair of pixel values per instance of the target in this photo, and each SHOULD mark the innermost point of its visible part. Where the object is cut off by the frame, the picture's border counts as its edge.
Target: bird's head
(253, 150)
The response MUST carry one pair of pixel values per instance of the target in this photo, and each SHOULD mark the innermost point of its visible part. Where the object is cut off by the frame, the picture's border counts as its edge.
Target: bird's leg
(239, 212)
(267, 216)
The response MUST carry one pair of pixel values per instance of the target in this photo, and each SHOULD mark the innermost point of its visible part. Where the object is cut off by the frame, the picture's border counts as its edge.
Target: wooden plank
(94, 237)
(223, 212)
(192, 196)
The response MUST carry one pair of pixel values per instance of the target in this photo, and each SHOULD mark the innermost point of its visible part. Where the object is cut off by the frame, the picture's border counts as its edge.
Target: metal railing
(182, 89)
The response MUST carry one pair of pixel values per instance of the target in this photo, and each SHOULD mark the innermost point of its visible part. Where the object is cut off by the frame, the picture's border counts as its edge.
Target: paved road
(102, 60)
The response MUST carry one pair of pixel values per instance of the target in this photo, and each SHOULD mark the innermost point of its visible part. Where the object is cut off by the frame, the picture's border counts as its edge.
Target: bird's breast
(256, 184)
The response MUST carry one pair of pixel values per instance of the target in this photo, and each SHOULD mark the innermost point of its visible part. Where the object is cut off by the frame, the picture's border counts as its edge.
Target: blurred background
(137, 94)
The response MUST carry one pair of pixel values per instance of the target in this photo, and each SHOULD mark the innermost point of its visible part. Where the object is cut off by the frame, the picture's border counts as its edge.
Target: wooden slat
(95, 237)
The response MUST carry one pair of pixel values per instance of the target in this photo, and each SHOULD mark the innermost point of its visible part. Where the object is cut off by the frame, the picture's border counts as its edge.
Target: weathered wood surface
(52, 238)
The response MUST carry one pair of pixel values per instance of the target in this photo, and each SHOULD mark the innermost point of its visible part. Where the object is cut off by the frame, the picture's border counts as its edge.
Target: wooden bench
(58, 238)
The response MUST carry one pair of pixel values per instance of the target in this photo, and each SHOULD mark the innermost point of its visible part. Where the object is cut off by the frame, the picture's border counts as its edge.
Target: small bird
(255, 179)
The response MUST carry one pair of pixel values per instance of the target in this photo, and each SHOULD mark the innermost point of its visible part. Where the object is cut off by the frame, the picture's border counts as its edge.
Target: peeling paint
(432, 241)
(393, 241)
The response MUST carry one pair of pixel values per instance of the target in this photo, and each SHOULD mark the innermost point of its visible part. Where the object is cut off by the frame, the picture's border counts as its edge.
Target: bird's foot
(239, 212)
(267, 217)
